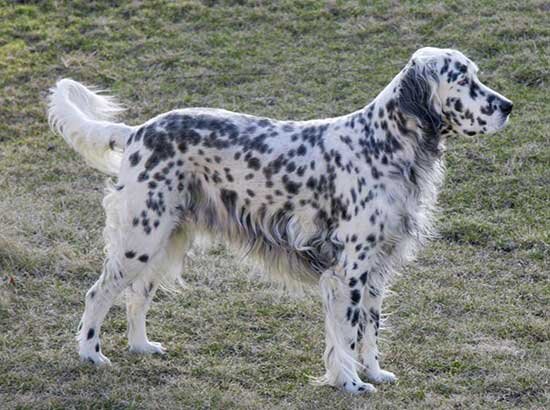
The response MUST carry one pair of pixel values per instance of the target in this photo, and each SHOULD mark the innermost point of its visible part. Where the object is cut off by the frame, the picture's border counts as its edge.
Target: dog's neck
(426, 137)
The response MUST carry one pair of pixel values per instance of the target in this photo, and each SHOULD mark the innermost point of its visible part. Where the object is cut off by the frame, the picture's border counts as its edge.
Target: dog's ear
(418, 98)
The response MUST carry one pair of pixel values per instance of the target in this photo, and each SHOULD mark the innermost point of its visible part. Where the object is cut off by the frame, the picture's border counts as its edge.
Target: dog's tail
(84, 119)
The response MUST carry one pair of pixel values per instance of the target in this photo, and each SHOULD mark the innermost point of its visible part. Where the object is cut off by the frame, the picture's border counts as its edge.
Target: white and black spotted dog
(341, 201)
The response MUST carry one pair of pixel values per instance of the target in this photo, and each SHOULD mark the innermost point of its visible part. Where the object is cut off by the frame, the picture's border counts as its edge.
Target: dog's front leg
(369, 328)
(342, 291)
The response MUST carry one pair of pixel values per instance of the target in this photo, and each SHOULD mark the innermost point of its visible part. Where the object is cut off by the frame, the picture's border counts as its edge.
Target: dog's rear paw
(148, 348)
(382, 376)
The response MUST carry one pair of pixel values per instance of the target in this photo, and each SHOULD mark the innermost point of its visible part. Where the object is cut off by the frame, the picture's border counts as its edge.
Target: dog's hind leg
(133, 248)
(139, 294)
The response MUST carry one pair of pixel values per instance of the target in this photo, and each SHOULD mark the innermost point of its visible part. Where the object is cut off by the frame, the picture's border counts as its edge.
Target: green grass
(470, 325)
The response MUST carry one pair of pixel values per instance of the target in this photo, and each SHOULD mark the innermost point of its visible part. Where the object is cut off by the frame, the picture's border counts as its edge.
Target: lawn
(470, 322)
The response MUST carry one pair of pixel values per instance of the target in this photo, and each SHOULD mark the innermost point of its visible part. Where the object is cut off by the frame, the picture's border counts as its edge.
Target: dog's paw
(95, 358)
(382, 376)
(148, 348)
(358, 387)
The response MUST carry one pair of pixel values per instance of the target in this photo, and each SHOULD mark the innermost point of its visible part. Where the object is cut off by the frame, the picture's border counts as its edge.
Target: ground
(470, 321)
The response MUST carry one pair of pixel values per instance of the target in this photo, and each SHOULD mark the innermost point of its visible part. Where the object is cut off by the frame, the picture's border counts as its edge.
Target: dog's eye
(464, 81)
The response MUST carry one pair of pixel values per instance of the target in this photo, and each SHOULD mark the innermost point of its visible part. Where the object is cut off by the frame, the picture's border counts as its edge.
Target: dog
(340, 202)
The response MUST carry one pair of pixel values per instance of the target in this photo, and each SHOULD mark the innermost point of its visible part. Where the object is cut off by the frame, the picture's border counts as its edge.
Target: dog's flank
(342, 202)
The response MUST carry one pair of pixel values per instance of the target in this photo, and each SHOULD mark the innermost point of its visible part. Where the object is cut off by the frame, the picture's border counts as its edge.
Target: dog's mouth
(503, 121)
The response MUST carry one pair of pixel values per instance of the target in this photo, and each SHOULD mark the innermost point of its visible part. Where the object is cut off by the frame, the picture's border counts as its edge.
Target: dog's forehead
(461, 61)
(445, 56)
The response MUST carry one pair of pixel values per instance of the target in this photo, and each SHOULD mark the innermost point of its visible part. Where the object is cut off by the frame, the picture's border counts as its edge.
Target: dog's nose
(506, 107)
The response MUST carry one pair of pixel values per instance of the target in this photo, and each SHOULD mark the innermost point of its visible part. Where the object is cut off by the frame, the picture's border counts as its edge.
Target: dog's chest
(411, 205)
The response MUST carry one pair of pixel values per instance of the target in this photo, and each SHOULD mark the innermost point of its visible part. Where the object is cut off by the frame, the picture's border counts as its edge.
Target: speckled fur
(343, 201)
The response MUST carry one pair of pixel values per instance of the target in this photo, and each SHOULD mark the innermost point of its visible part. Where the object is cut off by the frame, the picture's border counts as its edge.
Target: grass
(470, 327)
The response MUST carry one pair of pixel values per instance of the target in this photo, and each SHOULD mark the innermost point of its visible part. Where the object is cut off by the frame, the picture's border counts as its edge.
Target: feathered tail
(83, 118)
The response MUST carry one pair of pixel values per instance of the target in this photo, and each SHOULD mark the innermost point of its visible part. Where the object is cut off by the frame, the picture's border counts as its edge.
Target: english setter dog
(340, 202)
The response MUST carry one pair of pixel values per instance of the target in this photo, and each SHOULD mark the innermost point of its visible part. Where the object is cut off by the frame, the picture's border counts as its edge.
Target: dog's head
(441, 89)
